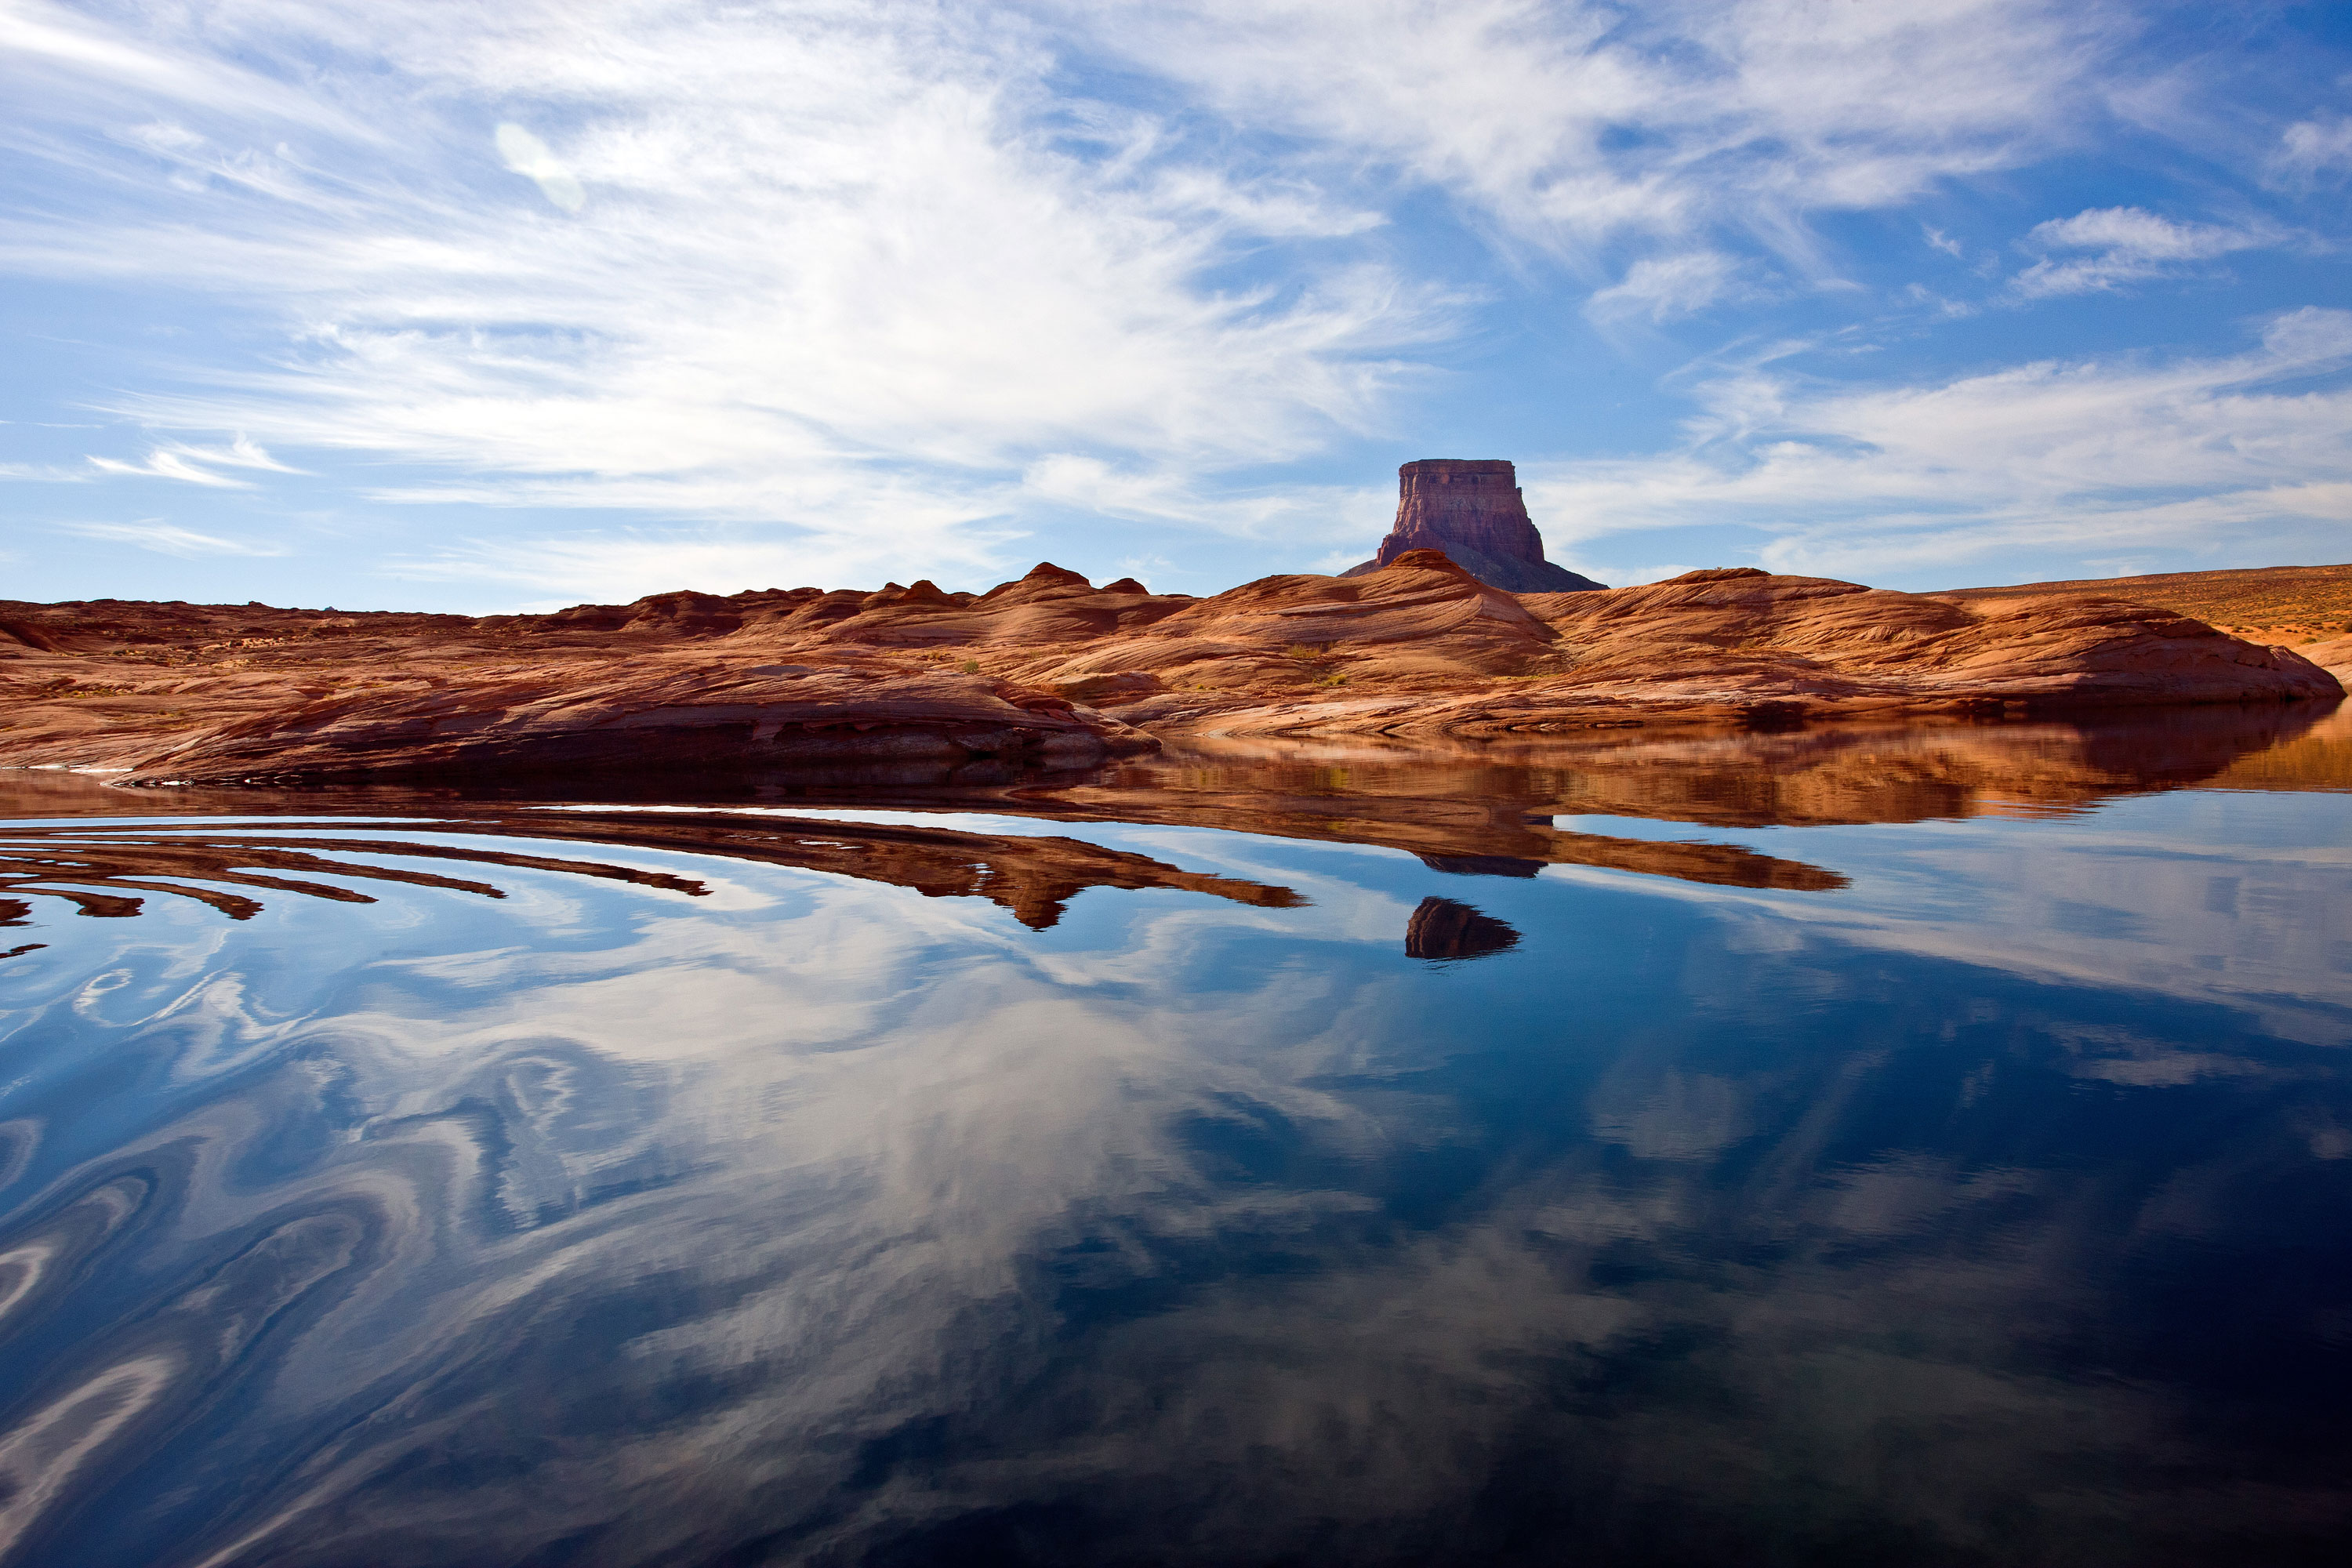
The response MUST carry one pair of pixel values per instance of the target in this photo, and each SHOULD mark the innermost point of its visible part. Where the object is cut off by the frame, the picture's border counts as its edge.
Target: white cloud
(1663, 288)
(194, 465)
(870, 282)
(615, 568)
(2127, 245)
(165, 539)
(2054, 456)
(2313, 152)
(1576, 126)
(851, 269)
(1305, 514)
(526, 155)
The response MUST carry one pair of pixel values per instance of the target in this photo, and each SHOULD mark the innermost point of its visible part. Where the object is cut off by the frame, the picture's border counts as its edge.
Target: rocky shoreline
(1051, 671)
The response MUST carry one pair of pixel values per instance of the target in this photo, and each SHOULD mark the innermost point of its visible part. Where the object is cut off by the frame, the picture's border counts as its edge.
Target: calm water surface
(1913, 1146)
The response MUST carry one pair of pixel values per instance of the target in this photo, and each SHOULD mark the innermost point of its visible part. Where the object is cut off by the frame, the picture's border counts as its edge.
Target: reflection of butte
(102, 868)
(1481, 820)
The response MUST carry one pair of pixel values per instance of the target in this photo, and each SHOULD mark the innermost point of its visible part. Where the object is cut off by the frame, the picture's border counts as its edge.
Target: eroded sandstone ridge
(2306, 608)
(1472, 512)
(1050, 671)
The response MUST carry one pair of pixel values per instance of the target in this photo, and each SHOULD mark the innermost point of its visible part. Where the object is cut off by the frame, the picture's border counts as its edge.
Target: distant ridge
(2306, 602)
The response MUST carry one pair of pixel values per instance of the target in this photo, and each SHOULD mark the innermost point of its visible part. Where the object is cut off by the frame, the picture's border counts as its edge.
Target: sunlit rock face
(1473, 512)
(1048, 672)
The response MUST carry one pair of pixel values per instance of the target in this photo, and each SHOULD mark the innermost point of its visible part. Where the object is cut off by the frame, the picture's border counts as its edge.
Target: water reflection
(745, 1188)
(1034, 878)
(1442, 930)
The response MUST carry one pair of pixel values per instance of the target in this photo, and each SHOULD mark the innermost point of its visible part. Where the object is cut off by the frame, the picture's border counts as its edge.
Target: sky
(498, 307)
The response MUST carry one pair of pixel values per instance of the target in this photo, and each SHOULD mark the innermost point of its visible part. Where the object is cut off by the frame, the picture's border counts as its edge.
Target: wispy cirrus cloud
(1665, 288)
(197, 465)
(2104, 247)
(822, 234)
(167, 539)
(848, 269)
(2106, 458)
(1576, 126)
(2314, 153)
(876, 286)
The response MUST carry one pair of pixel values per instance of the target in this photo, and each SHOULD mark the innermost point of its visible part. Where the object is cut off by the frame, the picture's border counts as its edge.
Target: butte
(1472, 511)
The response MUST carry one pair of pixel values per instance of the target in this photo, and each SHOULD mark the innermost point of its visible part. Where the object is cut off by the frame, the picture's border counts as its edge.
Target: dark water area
(1925, 1145)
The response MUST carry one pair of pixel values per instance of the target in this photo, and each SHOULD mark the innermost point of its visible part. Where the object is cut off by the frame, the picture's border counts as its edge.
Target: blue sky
(493, 307)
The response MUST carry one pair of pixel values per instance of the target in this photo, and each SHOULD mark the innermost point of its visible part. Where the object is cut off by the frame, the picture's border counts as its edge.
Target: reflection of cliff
(1467, 810)
(842, 1237)
(1497, 800)
(1487, 809)
(2318, 758)
(103, 869)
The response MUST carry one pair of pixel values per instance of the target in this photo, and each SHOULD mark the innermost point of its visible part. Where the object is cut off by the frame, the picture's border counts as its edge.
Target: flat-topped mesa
(1472, 511)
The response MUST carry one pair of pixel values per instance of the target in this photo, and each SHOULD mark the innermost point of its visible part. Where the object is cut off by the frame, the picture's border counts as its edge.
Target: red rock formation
(2334, 655)
(1472, 512)
(1735, 646)
(1442, 931)
(675, 680)
(1049, 670)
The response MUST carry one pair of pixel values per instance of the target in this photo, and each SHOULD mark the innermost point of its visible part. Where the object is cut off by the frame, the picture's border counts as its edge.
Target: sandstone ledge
(1051, 671)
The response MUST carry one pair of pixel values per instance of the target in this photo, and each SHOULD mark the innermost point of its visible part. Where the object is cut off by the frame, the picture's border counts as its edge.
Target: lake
(1925, 1145)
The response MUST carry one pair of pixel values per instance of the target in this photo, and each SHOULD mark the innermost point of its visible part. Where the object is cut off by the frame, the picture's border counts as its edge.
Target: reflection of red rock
(1050, 669)
(1440, 930)
(102, 868)
(1473, 513)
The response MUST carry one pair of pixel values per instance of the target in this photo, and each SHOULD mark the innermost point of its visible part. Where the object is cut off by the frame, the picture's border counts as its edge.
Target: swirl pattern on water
(712, 1206)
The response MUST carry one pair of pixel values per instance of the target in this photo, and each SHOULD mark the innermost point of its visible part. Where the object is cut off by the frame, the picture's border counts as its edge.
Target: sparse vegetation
(2299, 601)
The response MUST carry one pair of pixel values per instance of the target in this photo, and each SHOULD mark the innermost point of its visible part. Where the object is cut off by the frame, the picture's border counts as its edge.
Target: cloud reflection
(856, 1211)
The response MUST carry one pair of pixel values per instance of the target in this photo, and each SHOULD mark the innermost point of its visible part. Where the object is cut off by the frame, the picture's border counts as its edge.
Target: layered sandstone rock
(2333, 654)
(1741, 645)
(1049, 670)
(1472, 512)
(676, 681)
